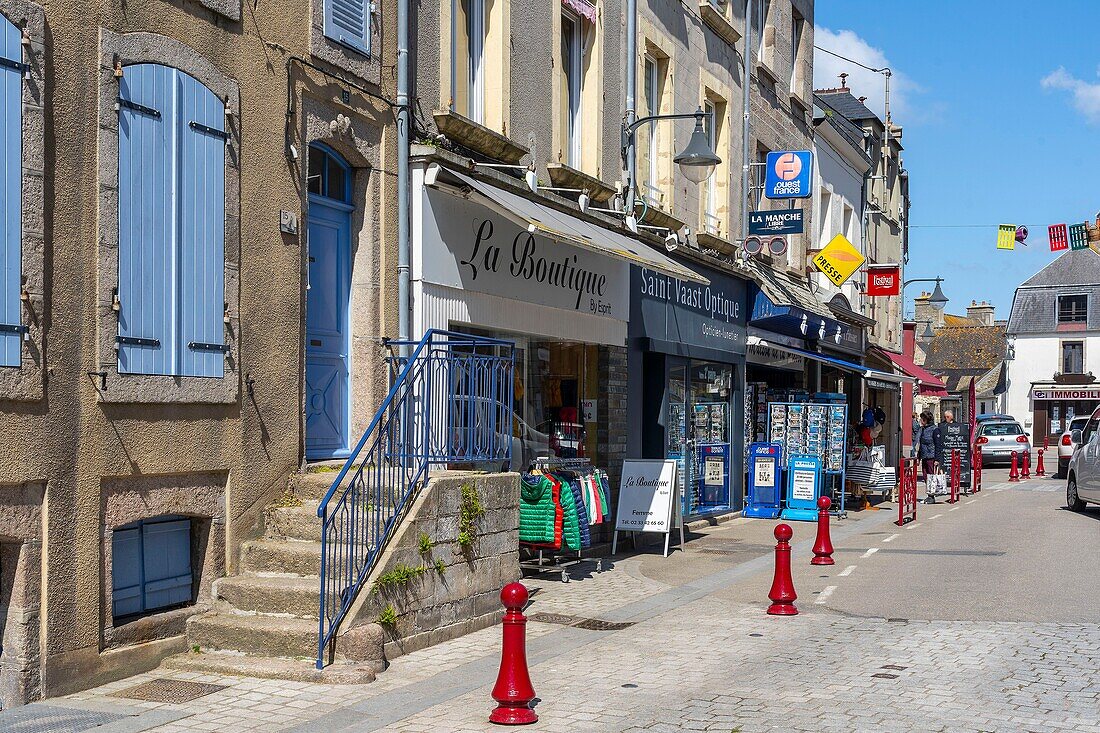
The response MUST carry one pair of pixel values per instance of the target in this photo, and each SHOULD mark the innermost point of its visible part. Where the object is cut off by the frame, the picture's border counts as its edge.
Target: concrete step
(312, 485)
(270, 636)
(272, 668)
(296, 522)
(281, 556)
(293, 594)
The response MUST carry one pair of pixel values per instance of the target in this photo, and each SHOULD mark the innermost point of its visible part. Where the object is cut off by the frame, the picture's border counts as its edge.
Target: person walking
(915, 435)
(929, 446)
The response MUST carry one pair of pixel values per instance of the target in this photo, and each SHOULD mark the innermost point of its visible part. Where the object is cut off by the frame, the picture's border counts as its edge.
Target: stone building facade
(116, 440)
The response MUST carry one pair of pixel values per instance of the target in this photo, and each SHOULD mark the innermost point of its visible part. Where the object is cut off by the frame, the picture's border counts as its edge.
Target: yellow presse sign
(839, 260)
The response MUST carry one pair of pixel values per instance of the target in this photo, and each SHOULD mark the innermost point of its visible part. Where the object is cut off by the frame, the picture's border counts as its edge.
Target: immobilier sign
(839, 260)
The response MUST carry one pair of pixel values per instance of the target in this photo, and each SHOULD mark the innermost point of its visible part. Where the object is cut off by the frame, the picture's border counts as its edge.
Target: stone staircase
(265, 619)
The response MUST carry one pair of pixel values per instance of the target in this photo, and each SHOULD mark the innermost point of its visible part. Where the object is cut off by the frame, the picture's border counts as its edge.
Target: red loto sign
(883, 281)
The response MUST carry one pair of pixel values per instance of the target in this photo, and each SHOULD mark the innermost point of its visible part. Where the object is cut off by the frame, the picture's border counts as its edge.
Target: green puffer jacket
(571, 528)
(540, 517)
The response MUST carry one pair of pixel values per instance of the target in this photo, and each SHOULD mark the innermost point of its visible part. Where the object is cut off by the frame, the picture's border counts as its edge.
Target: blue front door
(327, 340)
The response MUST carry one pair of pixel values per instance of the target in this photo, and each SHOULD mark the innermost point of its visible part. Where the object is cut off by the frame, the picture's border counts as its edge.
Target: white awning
(573, 230)
(866, 372)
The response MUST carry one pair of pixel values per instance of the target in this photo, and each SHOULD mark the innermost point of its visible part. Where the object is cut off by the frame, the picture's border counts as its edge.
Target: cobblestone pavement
(702, 655)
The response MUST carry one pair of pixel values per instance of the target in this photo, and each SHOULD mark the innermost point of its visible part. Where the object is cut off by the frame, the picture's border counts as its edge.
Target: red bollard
(1013, 474)
(976, 482)
(1026, 473)
(823, 546)
(1046, 444)
(513, 689)
(1039, 470)
(782, 593)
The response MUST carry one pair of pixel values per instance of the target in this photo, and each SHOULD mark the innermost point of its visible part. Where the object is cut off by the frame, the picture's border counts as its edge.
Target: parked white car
(1083, 477)
(1066, 446)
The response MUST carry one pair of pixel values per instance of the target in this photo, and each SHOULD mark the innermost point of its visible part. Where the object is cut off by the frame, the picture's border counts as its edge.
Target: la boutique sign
(467, 246)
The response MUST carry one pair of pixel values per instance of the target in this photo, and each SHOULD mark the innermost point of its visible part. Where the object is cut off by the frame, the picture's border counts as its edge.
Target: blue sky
(987, 140)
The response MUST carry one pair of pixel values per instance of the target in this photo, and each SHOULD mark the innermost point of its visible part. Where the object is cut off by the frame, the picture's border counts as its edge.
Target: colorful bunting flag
(1058, 237)
(1079, 236)
(1006, 236)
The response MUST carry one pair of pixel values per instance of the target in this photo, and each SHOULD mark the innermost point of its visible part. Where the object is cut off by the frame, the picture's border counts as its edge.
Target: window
(468, 59)
(348, 22)
(11, 195)
(1073, 357)
(151, 565)
(797, 28)
(716, 202)
(171, 231)
(1073, 308)
(569, 104)
(759, 23)
(328, 175)
(653, 82)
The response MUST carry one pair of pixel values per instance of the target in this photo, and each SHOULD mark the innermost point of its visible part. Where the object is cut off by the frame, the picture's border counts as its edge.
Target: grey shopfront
(686, 366)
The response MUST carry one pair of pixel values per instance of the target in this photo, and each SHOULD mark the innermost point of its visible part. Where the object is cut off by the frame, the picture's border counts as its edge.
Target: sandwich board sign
(649, 500)
(803, 487)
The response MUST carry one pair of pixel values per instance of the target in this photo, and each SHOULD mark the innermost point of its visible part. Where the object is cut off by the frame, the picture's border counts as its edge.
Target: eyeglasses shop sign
(467, 246)
(686, 312)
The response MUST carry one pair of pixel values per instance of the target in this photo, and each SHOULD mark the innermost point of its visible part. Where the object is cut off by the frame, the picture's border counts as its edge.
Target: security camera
(672, 242)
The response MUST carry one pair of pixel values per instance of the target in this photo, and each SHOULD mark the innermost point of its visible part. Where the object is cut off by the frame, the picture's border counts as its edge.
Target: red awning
(930, 384)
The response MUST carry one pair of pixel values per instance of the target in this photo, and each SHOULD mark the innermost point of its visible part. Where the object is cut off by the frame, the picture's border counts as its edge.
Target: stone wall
(454, 588)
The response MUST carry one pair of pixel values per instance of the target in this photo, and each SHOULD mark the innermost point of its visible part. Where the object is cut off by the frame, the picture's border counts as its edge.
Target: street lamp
(937, 299)
(697, 161)
(928, 332)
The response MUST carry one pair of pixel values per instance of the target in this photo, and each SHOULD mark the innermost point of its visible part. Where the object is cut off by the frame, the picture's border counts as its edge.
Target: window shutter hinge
(200, 346)
(16, 328)
(140, 108)
(116, 304)
(199, 127)
(13, 64)
(135, 341)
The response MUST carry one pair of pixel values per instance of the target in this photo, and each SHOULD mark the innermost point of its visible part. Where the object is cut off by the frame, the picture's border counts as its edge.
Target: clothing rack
(560, 560)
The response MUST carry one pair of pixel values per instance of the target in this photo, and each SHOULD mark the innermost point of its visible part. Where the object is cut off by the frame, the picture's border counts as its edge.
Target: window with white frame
(759, 23)
(711, 222)
(798, 26)
(1073, 308)
(653, 72)
(348, 23)
(468, 25)
(570, 88)
(171, 224)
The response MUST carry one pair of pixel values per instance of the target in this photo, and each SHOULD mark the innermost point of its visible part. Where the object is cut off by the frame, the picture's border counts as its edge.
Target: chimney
(925, 312)
(980, 312)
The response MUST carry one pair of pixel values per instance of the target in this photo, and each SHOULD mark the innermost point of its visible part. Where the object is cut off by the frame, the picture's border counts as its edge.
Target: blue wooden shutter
(166, 547)
(11, 189)
(126, 571)
(348, 22)
(147, 219)
(201, 231)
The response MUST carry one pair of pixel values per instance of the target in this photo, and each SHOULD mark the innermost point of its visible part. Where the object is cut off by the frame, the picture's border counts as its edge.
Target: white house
(1054, 345)
(841, 164)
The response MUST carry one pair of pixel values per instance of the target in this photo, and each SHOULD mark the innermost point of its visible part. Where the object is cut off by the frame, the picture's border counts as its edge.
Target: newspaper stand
(907, 496)
(955, 472)
(765, 488)
(818, 428)
(976, 482)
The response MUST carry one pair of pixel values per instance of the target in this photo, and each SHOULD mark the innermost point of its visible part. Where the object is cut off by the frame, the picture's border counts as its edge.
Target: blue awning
(793, 320)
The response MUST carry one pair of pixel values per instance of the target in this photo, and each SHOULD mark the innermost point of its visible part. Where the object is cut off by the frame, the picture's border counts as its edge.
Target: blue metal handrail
(451, 403)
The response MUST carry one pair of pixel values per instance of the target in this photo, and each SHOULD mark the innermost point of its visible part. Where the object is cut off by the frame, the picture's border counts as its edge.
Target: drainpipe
(746, 130)
(631, 113)
(404, 246)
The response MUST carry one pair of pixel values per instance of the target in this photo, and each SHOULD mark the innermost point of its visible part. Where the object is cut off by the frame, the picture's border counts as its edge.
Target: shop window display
(699, 414)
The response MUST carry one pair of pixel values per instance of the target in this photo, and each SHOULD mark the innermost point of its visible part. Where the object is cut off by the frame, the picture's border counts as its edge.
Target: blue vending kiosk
(765, 481)
(803, 488)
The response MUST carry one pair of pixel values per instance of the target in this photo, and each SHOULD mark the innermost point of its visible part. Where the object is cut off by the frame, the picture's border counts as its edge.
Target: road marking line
(846, 571)
(997, 491)
(891, 538)
(935, 517)
(869, 552)
(913, 525)
(971, 501)
(952, 508)
(824, 595)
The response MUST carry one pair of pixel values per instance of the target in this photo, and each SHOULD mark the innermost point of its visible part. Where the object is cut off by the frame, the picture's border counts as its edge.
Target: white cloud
(863, 83)
(1086, 95)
